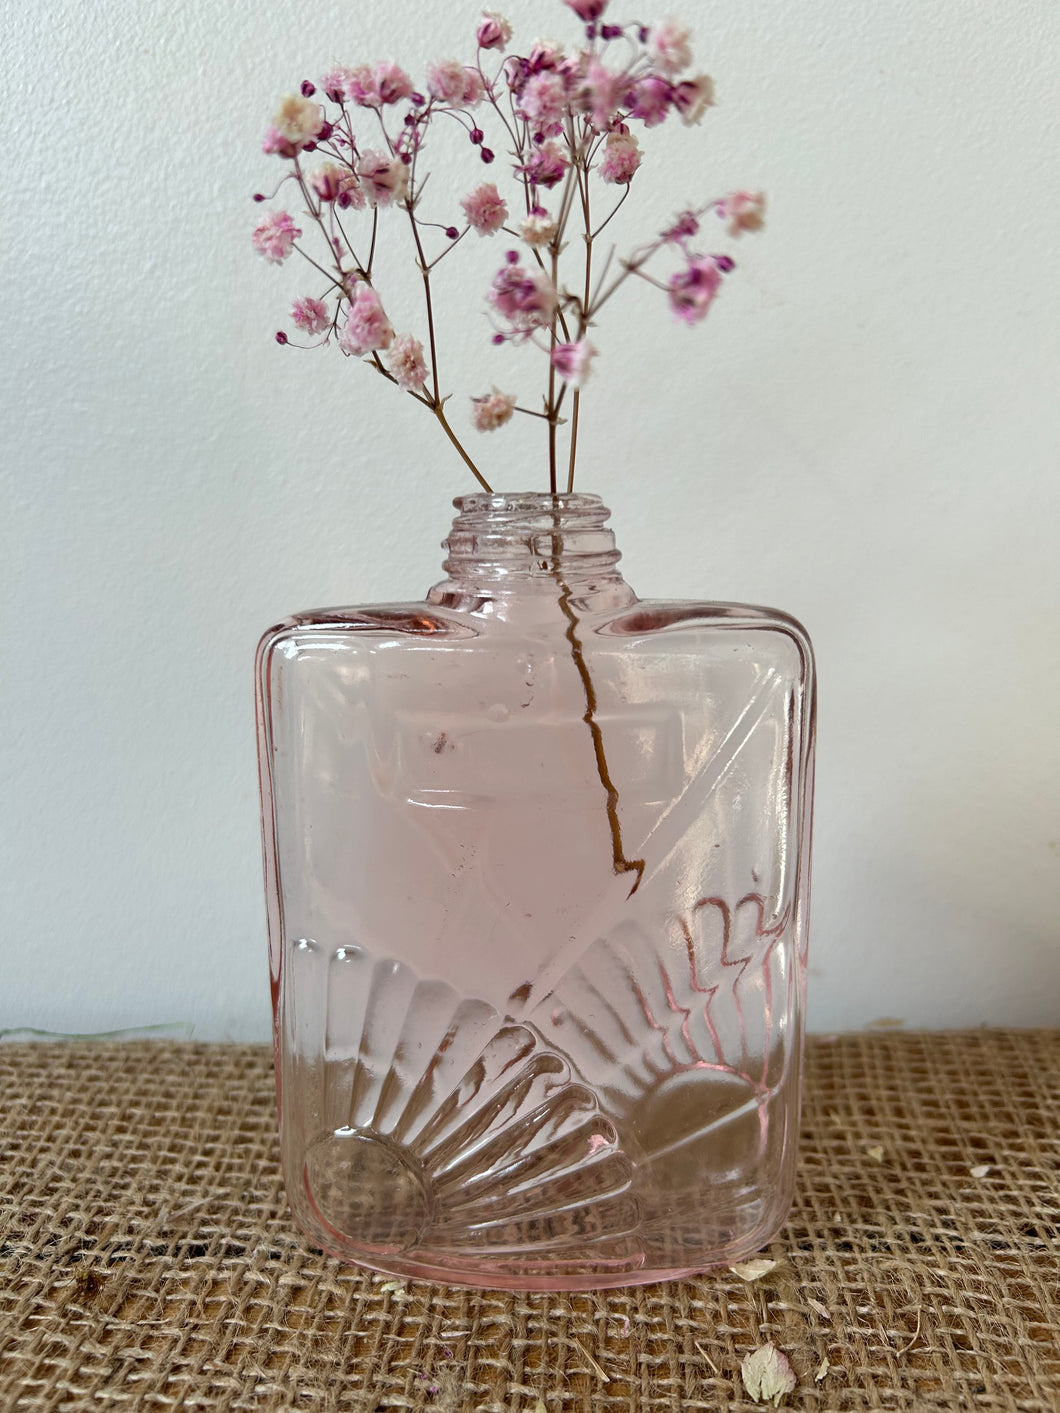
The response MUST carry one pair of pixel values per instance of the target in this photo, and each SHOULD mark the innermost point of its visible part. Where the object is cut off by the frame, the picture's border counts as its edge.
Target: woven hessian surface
(147, 1259)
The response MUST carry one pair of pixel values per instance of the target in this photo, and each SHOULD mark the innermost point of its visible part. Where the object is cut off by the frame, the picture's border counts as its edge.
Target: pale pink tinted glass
(537, 868)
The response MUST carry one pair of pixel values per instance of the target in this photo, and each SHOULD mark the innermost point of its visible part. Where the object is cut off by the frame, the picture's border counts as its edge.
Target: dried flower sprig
(564, 120)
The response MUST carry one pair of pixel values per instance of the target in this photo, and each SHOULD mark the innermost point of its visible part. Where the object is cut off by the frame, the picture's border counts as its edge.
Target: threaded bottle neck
(530, 542)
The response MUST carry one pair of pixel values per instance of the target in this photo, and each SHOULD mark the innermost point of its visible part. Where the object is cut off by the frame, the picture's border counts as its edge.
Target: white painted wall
(865, 432)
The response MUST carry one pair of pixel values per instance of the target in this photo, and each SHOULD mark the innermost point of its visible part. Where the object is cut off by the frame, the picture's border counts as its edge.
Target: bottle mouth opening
(532, 531)
(533, 503)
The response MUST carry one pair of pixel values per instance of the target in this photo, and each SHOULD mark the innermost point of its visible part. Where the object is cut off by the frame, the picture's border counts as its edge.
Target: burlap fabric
(147, 1259)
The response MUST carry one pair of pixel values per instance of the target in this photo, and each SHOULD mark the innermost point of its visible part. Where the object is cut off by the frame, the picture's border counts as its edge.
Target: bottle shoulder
(639, 624)
(649, 617)
(389, 620)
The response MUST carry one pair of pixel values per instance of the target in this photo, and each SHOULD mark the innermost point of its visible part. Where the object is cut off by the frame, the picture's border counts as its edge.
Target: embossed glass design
(537, 865)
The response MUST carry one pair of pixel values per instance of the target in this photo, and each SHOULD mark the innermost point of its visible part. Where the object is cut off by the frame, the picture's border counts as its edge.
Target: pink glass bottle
(537, 864)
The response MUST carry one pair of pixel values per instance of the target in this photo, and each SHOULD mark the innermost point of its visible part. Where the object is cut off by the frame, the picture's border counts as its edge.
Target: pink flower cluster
(692, 289)
(311, 315)
(548, 84)
(485, 209)
(367, 328)
(494, 31)
(274, 236)
(526, 299)
(573, 361)
(455, 85)
(621, 157)
(366, 86)
(490, 412)
(742, 211)
(566, 117)
(405, 361)
(296, 126)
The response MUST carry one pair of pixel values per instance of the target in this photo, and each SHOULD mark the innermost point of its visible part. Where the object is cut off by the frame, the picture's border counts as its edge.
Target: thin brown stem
(573, 439)
(439, 412)
(583, 321)
(425, 271)
(371, 250)
(620, 862)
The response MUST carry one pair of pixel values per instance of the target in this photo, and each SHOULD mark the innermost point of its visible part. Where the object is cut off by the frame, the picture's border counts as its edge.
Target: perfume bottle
(537, 867)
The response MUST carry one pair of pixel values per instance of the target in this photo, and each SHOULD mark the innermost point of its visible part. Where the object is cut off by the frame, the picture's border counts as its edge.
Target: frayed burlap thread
(147, 1260)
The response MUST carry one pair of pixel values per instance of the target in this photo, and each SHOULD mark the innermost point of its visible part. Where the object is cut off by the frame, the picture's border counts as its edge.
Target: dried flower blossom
(494, 31)
(573, 361)
(446, 79)
(489, 413)
(331, 180)
(485, 209)
(405, 360)
(538, 228)
(383, 179)
(742, 211)
(526, 298)
(686, 226)
(297, 120)
(692, 289)
(601, 93)
(587, 10)
(379, 87)
(311, 315)
(652, 97)
(338, 84)
(474, 88)
(367, 328)
(692, 98)
(621, 158)
(546, 165)
(753, 1270)
(274, 236)
(670, 46)
(543, 100)
(767, 1375)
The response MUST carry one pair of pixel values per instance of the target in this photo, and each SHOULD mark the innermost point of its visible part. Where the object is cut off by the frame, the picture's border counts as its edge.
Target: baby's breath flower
(338, 83)
(384, 179)
(526, 298)
(493, 32)
(669, 45)
(445, 80)
(587, 10)
(331, 180)
(274, 236)
(544, 99)
(405, 361)
(538, 228)
(692, 98)
(621, 158)
(297, 120)
(485, 209)
(546, 165)
(692, 289)
(652, 97)
(367, 328)
(600, 93)
(474, 88)
(489, 413)
(573, 361)
(742, 211)
(311, 315)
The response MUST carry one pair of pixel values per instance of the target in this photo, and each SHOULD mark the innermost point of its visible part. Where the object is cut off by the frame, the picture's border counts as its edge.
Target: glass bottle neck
(530, 545)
